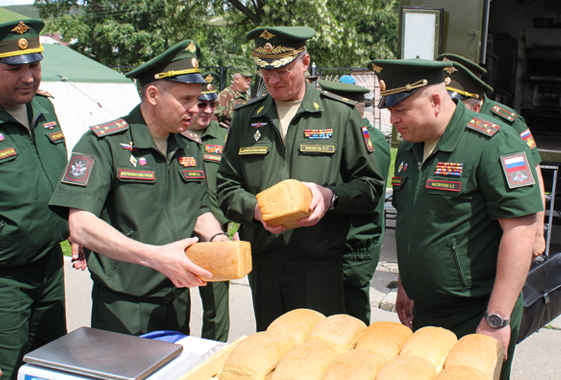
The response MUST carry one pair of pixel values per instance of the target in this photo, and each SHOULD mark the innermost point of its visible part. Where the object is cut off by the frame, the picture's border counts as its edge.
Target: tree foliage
(130, 32)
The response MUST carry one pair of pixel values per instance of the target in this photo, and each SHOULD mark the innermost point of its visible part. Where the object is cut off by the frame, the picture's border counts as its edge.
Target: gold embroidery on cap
(450, 70)
(208, 78)
(267, 35)
(377, 69)
(21, 28)
(192, 48)
(22, 43)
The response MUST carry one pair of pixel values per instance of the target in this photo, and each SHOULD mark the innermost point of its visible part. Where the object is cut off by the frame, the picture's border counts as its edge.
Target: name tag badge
(56, 136)
(253, 150)
(142, 175)
(436, 184)
(317, 148)
(396, 181)
(193, 174)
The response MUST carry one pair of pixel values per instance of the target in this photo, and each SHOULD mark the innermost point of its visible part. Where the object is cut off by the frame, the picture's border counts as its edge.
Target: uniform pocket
(8, 154)
(55, 137)
(459, 266)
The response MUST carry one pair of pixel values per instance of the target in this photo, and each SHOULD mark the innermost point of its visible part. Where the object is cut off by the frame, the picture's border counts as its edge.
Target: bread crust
(478, 351)
(228, 260)
(355, 365)
(431, 343)
(340, 330)
(296, 324)
(384, 338)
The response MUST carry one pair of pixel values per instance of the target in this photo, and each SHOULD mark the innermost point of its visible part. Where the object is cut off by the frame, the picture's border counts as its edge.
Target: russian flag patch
(517, 170)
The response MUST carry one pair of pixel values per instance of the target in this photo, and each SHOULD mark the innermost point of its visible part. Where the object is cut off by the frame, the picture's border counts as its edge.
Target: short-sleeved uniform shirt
(327, 143)
(211, 143)
(447, 229)
(508, 116)
(30, 167)
(117, 173)
(367, 230)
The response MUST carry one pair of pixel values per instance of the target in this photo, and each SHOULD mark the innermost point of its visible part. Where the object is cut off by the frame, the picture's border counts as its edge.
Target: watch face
(494, 320)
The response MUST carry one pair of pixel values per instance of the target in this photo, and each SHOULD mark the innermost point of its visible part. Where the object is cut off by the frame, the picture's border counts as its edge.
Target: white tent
(85, 92)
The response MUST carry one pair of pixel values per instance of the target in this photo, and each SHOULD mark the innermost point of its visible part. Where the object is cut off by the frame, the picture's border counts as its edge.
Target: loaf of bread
(407, 367)
(285, 203)
(355, 365)
(306, 361)
(478, 351)
(296, 324)
(460, 373)
(255, 357)
(229, 260)
(341, 331)
(384, 338)
(431, 343)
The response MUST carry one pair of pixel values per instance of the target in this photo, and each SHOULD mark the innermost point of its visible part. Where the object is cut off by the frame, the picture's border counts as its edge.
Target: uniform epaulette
(192, 136)
(486, 127)
(224, 125)
(503, 113)
(251, 101)
(110, 128)
(44, 93)
(339, 98)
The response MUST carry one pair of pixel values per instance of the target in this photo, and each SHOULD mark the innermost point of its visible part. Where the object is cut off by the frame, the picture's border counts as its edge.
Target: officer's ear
(436, 102)
(151, 94)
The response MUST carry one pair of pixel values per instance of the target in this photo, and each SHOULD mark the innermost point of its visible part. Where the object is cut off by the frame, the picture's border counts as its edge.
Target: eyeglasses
(276, 73)
(204, 105)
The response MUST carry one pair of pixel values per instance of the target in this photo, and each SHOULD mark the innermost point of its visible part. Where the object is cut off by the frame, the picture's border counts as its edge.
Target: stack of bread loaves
(285, 203)
(305, 345)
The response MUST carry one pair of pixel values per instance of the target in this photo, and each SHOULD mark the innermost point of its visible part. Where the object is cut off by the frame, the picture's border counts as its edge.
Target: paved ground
(538, 357)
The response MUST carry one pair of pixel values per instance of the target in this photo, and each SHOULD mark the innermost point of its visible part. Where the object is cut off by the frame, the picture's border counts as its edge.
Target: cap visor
(22, 59)
(392, 100)
(211, 96)
(189, 78)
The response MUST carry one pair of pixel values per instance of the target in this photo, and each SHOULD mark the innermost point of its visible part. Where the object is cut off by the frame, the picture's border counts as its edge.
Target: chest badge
(1, 137)
(142, 161)
(217, 149)
(187, 161)
(258, 125)
(318, 134)
(257, 135)
(50, 125)
(129, 146)
(449, 169)
(133, 160)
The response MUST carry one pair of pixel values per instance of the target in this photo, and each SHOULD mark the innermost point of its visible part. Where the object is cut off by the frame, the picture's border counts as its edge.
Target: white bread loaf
(306, 361)
(255, 357)
(285, 203)
(431, 343)
(355, 365)
(384, 338)
(478, 351)
(229, 260)
(461, 372)
(407, 367)
(296, 324)
(341, 331)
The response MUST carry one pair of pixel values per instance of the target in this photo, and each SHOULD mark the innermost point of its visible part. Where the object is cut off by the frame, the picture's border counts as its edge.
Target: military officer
(211, 136)
(136, 194)
(466, 199)
(237, 93)
(32, 159)
(478, 101)
(296, 132)
(364, 240)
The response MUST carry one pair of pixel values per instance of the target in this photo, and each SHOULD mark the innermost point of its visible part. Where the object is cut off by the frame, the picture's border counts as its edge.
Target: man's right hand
(404, 307)
(274, 230)
(172, 262)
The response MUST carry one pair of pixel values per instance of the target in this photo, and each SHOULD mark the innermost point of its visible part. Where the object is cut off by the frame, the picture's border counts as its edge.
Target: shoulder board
(224, 125)
(251, 101)
(110, 128)
(503, 113)
(192, 136)
(486, 127)
(339, 98)
(44, 93)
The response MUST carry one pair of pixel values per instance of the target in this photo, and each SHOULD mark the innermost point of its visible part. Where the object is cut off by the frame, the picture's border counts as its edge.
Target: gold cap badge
(21, 28)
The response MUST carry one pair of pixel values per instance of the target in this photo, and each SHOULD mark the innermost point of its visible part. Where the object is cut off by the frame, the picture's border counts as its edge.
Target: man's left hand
(78, 257)
(502, 335)
(321, 201)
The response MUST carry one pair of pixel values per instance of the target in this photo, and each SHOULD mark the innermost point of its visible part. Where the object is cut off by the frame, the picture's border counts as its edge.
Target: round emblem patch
(447, 81)
(209, 87)
(382, 85)
(268, 47)
(22, 43)
(195, 63)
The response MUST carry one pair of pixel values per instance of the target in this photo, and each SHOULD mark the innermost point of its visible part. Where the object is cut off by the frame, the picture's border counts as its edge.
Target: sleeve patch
(79, 169)
(517, 170)
(367, 140)
(527, 136)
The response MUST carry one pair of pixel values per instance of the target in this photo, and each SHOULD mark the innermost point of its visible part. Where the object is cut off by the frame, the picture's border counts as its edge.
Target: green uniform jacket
(30, 167)
(213, 140)
(255, 159)
(156, 202)
(447, 229)
(367, 230)
(508, 116)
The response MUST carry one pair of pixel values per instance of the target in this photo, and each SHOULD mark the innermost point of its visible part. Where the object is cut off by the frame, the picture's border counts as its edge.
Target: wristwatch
(496, 321)
(333, 199)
